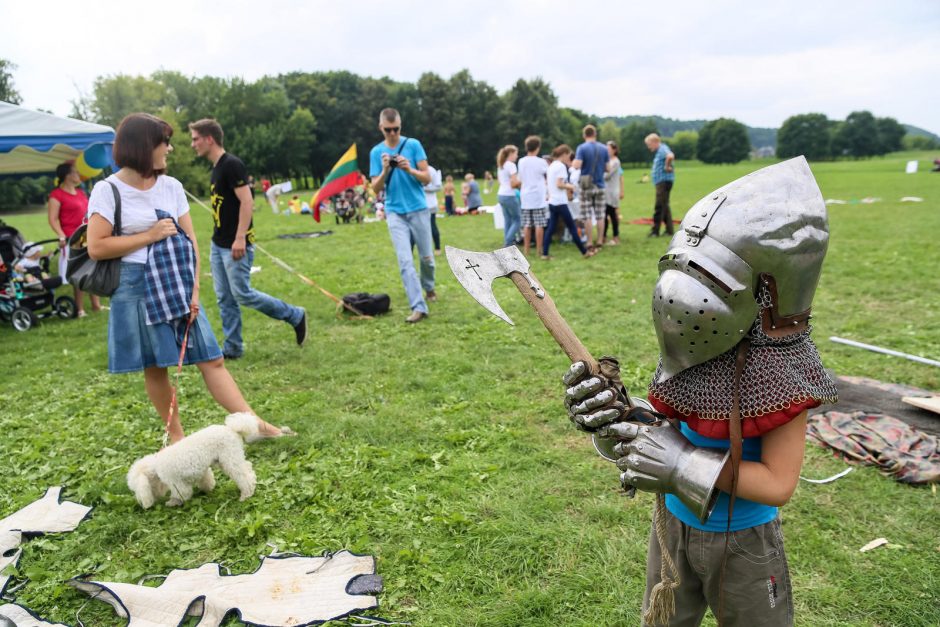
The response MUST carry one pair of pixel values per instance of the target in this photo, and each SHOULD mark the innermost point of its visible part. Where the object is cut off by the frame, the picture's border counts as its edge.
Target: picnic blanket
(899, 450)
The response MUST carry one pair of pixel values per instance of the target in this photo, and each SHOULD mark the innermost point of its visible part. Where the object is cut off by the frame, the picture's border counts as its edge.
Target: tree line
(296, 125)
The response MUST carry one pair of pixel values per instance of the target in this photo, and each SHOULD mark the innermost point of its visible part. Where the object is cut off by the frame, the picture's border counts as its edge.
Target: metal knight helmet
(765, 230)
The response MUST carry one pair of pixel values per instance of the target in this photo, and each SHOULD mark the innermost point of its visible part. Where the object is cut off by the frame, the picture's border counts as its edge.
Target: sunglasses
(166, 140)
(391, 129)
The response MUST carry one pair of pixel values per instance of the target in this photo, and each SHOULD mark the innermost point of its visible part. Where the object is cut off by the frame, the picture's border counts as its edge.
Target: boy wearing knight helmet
(721, 440)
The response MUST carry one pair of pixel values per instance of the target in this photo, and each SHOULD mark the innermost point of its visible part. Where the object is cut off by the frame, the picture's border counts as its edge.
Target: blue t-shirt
(473, 198)
(403, 192)
(659, 166)
(594, 158)
(747, 514)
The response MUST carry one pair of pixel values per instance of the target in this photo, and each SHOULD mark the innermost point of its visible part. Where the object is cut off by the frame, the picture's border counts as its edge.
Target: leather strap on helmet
(737, 446)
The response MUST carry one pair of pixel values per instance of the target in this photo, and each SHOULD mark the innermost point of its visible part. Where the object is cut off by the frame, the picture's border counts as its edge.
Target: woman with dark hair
(67, 207)
(155, 309)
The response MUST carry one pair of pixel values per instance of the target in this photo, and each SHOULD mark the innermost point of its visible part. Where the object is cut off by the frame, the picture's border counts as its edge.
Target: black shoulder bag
(98, 277)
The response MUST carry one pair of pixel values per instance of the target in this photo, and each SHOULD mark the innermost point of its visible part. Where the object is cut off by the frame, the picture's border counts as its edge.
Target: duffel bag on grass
(369, 304)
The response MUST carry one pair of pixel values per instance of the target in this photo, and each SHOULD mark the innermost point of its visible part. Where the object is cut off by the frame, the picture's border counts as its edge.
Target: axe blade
(475, 271)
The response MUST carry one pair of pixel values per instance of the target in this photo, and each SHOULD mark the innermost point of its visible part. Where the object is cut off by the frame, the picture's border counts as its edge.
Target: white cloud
(755, 62)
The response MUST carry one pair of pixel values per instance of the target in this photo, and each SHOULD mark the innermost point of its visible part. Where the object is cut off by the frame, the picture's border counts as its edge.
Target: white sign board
(498, 219)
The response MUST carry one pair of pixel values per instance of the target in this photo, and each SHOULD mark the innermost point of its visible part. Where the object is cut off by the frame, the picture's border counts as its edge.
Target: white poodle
(177, 467)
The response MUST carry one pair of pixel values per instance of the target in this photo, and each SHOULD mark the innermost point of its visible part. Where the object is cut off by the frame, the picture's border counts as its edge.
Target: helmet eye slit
(711, 277)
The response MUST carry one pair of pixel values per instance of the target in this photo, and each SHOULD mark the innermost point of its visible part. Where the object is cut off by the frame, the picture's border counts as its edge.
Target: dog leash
(179, 369)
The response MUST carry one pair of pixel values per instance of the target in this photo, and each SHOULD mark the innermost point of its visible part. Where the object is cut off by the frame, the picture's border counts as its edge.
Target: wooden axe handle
(557, 326)
(548, 313)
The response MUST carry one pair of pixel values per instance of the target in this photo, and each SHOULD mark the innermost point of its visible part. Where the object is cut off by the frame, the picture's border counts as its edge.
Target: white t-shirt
(557, 170)
(431, 189)
(574, 205)
(138, 207)
(532, 171)
(504, 174)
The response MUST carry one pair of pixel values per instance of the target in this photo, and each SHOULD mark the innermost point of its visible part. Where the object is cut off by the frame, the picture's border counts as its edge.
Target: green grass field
(443, 448)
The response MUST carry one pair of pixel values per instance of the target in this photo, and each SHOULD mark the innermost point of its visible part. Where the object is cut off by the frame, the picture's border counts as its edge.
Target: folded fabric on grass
(19, 616)
(285, 590)
(47, 515)
(899, 450)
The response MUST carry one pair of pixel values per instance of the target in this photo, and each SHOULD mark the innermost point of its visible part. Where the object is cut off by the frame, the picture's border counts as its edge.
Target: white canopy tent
(32, 142)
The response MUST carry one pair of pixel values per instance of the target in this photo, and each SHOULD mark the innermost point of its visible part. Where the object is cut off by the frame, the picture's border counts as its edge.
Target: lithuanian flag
(345, 174)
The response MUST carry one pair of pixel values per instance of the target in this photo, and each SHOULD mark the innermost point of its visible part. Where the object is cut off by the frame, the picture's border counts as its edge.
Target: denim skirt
(134, 345)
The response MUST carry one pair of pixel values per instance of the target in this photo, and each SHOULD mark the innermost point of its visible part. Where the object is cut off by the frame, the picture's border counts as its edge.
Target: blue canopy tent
(34, 143)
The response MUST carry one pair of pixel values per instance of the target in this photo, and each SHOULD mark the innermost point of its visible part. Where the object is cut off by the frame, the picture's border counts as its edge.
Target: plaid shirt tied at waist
(170, 278)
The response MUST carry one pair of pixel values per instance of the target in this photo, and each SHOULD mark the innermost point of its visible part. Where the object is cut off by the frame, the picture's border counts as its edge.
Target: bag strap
(387, 182)
(116, 229)
(737, 446)
(597, 160)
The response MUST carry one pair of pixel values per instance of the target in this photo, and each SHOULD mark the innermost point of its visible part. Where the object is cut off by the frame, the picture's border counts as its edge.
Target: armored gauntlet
(659, 458)
(594, 401)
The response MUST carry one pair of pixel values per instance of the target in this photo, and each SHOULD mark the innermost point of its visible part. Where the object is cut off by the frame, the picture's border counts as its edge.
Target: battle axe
(475, 271)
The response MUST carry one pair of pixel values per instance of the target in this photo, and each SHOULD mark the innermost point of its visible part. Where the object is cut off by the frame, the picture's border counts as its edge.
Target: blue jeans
(405, 228)
(232, 279)
(560, 212)
(512, 218)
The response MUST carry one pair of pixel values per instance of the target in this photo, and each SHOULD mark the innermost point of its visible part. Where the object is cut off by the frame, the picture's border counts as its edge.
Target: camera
(392, 161)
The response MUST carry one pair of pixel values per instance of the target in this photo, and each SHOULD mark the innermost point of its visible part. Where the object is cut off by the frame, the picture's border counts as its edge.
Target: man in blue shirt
(591, 159)
(663, 178)
(399, 165)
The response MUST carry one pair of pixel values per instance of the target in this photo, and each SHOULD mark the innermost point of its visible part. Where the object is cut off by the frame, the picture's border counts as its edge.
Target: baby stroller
(28, 296)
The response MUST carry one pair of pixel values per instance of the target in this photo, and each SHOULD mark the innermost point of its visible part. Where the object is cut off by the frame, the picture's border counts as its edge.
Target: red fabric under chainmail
(750, 427)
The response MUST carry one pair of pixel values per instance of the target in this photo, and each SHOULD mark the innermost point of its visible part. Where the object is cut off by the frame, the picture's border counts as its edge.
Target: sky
(757, 62)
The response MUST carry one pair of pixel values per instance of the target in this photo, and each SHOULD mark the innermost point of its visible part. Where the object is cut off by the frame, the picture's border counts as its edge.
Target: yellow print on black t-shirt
(215, 201)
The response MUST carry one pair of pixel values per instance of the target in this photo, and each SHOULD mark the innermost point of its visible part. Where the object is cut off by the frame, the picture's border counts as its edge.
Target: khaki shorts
(757, 580)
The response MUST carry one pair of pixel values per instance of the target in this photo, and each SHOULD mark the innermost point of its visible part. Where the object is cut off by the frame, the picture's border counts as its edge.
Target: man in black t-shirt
(232, 242)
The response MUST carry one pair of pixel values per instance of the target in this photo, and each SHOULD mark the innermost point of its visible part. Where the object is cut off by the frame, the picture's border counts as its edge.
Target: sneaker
(416, 316)
(300, 330)
(653, 234)
(431, 296)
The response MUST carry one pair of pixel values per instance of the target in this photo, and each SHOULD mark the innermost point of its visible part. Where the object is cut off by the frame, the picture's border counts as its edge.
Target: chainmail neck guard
(778, 373)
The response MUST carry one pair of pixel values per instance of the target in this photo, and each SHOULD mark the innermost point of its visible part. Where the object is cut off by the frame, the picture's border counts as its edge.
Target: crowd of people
(156, 321)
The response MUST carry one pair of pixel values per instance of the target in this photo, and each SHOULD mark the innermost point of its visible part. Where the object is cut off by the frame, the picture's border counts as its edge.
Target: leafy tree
(8, 92)
(919, 142)
(117, 96)
(482, 111)
(571, 122)
(531, 109)
(808, 134)
(857, 136)
(723, 141)
(608, 131)
(632, 146)
(440, 120)
(683, 144)
(299, 139)
(890, 133)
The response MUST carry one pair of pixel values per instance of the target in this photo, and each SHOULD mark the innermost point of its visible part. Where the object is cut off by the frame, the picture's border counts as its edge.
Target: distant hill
(668, 127)
(913, 130)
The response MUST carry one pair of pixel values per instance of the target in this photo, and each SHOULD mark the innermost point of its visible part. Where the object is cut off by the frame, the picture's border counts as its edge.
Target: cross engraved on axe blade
(511, 263)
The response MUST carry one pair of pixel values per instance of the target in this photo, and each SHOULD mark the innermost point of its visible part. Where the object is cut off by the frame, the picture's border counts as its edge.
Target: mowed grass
(443, 449)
